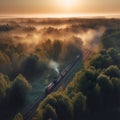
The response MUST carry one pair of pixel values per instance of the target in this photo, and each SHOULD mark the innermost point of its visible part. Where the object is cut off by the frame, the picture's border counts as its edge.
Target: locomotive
(50, 88)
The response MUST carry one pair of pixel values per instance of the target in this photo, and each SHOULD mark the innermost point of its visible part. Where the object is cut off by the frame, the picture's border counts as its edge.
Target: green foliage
(18, 117)
(4, 84)
(56, 107)
(86, 80)
(32, 66)
(112, 71)
(50, 100)
(101, 61)
(49, 113)
(116, 92)
(4, 61)
(70, 90)
(72, 48)
(63, 107)
(21, 82)
(106, 88)
(106, 58)
(79, 106)
(115, 55)
(47, 48)
(12, 95)
(17, 92)
(103, 81)
(111, 39)
(93, 92)
(56, 49)
(112, 52)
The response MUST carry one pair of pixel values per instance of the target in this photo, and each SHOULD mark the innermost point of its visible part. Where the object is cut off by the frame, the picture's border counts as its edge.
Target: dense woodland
(94, 93)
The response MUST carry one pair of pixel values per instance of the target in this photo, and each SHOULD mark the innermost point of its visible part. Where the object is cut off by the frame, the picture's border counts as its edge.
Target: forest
(27, 47)
(94, 93)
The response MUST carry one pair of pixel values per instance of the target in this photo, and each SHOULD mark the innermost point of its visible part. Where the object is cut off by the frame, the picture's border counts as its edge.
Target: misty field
(34, 51)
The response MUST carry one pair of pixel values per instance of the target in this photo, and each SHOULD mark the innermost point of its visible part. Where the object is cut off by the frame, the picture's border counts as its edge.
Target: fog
(51, 40)
(30, 33)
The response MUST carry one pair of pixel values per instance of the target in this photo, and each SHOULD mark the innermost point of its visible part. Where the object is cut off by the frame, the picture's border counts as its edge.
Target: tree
(70, 90)
(115, 55)
(46, 48)
(57, 106)
(17, 92)
(5, 62)
(101, 61)
(4, 85)
(71, 48)
(116, 92)
(106, 90)
(56, 49)
(79, 106)
(18, 117)
(112, 71)
(49, 100)
(112, 52)
(32, 66)
(63, 107)
(86, 80)
(49, 113)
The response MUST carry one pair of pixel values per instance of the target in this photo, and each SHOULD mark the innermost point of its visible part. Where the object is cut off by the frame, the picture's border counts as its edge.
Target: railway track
(29, 112)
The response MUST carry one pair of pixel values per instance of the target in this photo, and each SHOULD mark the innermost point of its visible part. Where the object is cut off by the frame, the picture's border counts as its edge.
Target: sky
(59, 7)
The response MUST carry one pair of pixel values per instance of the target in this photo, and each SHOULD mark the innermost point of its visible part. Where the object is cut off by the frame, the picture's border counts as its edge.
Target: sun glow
(66, 4)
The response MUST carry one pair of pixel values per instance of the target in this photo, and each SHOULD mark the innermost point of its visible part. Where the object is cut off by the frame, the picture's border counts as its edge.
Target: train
(51, 86)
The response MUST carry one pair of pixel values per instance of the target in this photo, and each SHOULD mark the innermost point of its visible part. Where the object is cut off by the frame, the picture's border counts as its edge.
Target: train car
(49, 88)
(56, 80)
(59, 78)
(52, 85)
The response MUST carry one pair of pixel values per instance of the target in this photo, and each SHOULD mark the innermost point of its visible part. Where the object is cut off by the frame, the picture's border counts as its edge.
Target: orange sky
(11, 7)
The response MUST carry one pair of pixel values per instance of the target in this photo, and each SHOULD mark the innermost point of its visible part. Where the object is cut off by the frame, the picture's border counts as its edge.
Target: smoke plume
(54, 65)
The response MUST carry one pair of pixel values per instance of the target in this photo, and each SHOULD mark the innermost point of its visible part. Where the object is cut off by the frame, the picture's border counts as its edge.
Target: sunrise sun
(67, 4)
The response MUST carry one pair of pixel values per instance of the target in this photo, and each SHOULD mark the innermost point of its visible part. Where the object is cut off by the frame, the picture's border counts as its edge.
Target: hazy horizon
(60, 16)
(64, 8)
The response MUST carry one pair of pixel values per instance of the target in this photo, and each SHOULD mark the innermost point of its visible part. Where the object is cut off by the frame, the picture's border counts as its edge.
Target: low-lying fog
(44, 40)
